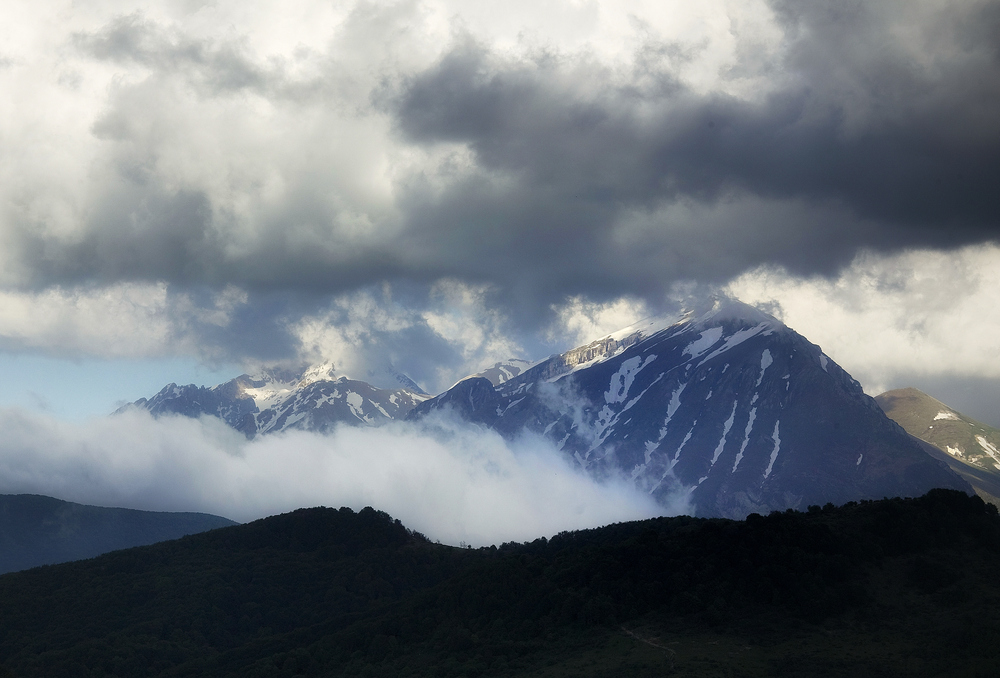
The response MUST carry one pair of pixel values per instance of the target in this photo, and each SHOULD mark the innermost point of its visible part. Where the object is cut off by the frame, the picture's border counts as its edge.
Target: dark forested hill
(893, 587)
(37, 530)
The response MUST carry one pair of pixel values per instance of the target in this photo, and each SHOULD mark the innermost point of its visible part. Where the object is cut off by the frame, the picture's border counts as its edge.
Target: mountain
(504, 371)
(970, 448)
(37, 530)
(726, 408)
(313, 399)
(888, 588)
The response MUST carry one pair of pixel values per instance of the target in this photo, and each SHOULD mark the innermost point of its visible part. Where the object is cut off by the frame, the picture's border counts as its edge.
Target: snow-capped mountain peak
(322, 372)
(277, 399)
(725, 406)
(270, 394)
(722, 309)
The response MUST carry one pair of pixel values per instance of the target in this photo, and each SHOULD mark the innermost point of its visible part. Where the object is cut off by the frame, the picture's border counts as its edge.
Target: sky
(190, 190)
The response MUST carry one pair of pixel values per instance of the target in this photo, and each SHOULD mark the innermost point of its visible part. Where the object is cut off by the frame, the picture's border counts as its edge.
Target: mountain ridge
(313, 398)
(969, 447)
(39, 530)
(722, 410)
(725, 406)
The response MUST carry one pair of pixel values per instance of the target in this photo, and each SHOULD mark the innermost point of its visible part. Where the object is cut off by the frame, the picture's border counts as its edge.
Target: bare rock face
(729, 408)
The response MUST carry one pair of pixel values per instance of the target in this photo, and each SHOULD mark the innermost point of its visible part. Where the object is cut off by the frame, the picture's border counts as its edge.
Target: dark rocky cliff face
(731, 409)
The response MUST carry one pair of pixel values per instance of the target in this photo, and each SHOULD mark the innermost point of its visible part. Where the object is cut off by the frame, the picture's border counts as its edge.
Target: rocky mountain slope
(37, 530)
(970, 448)
(726, 408)
(313, 399)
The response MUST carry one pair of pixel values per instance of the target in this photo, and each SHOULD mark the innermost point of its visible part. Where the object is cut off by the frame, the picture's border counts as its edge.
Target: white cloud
(223, 143)
(147, 141)
(579, 321)
(267, 113)
(462, 313)
(124, 320)
(121, 320)
(920, 312)
(452, 481)
(437, 339)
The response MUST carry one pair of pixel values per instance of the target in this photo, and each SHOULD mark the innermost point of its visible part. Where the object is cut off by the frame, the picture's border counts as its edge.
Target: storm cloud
(256, 174)
(876, 132)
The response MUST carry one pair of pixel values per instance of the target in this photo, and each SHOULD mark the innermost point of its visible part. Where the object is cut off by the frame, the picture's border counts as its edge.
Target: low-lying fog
(452, 481)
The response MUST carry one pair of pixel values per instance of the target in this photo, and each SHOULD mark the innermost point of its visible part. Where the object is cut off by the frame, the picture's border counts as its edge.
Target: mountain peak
(275, 399)
(713, 311)
(721, 309)
(273, 378)
(724, 410)
(324, 371)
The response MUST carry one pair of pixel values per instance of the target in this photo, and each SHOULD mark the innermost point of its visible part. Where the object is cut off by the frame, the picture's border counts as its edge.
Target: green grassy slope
(894, 587)
(971, 448)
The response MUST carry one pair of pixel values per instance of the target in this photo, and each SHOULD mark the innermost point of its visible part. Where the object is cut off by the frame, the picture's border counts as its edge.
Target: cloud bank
(451, 481)
(305, 151)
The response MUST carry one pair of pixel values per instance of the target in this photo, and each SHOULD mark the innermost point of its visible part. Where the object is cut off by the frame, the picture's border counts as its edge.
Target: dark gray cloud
(531, 173)
(256, 329)
(870, 139)
(877, 132)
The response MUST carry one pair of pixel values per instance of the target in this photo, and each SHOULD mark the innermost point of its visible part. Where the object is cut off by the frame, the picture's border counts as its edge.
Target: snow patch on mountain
(738, 338)
(320, 372)
(725, 432)
(271, 394)
(774, 452)
(704, 342)
(990, 449)
(746, 437)
(765, 361)
(649, 326)
(677, 453)
(622, 380)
